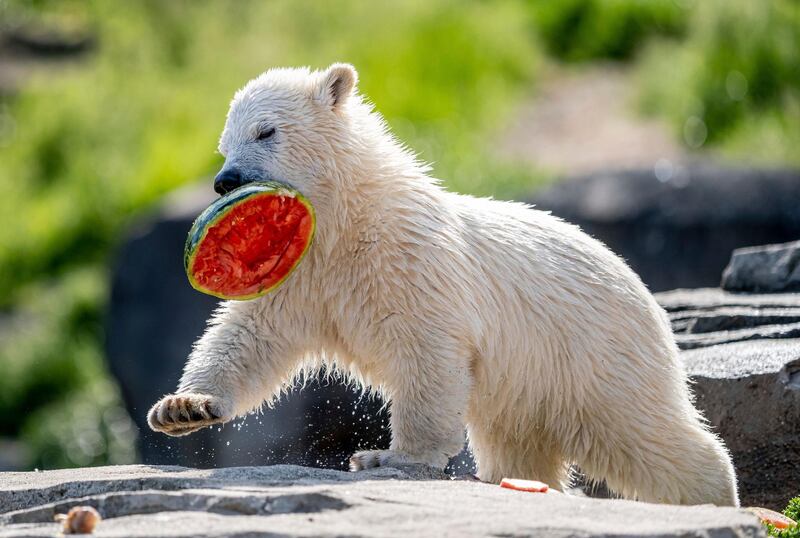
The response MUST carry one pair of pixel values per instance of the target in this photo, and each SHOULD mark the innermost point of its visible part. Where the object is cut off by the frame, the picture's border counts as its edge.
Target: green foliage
(84, 150)
(792, 511)
(54, 391)
(580, 30)
(96, 146)
(736, 77)
(88, 427)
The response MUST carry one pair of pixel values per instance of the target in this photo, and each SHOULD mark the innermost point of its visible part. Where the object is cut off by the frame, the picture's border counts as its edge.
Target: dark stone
(153, 319)
(35, 39)
(727, 319)
(692, 341)
(679, 232)
(742, 353)
(764, 269)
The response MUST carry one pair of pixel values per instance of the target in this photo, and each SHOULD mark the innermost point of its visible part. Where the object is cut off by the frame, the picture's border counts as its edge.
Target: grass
(584, 30)
(734, 84)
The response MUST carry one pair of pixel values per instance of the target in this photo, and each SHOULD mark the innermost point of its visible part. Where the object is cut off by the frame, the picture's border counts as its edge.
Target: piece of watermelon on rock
(247, 242)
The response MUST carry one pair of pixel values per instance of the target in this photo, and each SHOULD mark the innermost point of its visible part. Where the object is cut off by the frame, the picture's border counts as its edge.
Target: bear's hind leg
(510, 455)
(671, 458)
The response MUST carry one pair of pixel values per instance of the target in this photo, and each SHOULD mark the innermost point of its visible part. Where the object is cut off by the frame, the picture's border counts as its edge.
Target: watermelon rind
(219, 209)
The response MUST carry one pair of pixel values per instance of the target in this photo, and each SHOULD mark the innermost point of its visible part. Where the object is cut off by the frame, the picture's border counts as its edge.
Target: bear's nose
(227, 180)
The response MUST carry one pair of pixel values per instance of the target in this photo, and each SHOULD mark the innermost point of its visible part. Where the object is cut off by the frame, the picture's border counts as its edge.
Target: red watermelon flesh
(247, 242)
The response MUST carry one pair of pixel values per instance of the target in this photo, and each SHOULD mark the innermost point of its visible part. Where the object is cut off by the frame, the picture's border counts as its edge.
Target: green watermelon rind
(220, 208)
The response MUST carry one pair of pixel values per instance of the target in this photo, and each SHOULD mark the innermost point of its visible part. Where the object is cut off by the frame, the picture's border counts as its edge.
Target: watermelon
(248, 241)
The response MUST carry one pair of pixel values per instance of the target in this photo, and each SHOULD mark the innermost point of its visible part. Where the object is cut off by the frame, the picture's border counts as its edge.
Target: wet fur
(462, 311)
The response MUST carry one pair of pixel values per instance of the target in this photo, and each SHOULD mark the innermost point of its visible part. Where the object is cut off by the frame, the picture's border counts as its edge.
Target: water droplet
(695, 132)
(663, 170)
(736, 85)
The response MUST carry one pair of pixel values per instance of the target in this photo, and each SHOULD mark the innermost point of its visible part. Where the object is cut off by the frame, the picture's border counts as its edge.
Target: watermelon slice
(247, 242)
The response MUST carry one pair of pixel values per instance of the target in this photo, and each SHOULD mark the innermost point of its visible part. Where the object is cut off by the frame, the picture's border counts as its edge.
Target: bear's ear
(336, 85)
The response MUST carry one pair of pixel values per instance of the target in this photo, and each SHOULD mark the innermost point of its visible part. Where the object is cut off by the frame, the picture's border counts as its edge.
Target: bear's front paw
(182, 414)
(367, 459)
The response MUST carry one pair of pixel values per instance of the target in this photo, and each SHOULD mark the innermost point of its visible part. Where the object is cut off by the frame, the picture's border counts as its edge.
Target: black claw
(207, 407)
(183, 415)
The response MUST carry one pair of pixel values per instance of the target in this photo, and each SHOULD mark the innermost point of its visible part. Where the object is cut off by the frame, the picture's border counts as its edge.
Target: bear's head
(291, 125)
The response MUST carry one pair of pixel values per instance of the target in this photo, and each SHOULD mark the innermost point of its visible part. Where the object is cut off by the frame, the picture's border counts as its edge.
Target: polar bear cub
(461, 311)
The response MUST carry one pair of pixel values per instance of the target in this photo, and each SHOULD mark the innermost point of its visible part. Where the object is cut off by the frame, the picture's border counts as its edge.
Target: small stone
(79, 520)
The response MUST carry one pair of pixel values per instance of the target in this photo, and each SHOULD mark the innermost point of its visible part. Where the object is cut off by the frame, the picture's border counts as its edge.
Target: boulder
(286, 500)
(677, 225)
(764, 269)
(742, 353)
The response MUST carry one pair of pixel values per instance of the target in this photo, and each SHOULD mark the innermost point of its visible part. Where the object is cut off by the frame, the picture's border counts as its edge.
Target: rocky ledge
(286, 500)
(742, 352)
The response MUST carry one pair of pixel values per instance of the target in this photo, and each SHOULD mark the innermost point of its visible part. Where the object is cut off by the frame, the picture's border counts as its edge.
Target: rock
(709, 299)
(296, 501)
(764, 269)
(677, 226)
(707, 317)
(742, 353)
(45, 42)
(154, 317)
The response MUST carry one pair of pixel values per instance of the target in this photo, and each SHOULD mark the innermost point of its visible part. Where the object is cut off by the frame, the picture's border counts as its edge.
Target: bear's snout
(228, 179)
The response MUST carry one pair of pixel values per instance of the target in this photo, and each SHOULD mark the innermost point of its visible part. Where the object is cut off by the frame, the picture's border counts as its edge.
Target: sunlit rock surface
(287, 500)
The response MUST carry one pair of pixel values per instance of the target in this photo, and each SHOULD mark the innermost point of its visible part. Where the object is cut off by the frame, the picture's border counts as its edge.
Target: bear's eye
(265, 134)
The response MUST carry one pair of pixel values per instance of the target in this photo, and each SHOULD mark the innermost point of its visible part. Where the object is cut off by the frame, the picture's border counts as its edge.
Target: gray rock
(728, 319)
(295, 501)
(764, 269)
(707, 338)
(714, 298)
(678, 229)
(708, 317)
(750, 394)
(743, 355)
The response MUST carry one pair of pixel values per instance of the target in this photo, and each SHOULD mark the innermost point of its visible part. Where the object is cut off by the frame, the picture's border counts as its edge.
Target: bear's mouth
(260, 179)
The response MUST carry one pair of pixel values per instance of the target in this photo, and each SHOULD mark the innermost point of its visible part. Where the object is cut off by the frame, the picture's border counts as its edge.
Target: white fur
(461, 311)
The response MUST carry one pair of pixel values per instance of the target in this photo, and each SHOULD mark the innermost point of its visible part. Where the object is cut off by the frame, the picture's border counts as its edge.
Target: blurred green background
(93, 137)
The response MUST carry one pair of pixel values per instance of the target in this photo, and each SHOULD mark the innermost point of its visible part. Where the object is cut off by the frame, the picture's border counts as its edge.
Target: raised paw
(182, 414)
(368, 459)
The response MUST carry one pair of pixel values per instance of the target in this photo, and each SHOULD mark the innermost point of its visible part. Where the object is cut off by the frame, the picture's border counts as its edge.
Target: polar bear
(461, 311)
